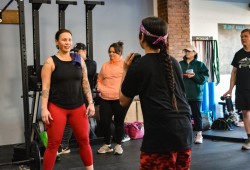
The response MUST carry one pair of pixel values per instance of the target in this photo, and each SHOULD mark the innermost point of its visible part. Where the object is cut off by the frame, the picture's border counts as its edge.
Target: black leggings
(108, 108)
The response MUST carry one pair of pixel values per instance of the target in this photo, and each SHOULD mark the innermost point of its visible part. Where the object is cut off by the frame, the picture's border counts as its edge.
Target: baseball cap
(79, 46)
(190, 48)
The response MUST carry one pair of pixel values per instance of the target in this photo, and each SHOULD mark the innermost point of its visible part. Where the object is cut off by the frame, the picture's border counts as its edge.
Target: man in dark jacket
(80, 48)
(194, 77)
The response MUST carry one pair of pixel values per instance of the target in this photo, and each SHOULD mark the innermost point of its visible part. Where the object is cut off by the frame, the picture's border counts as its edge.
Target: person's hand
(228, 92)
(46, 116)
(90, 110)
(190, 75)
(128, 61)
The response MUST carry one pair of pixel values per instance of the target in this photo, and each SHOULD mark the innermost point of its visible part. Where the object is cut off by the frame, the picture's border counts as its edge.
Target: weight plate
(41, 126)
(35, 156)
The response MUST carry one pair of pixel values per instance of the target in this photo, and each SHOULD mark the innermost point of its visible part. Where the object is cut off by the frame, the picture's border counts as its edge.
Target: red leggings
(79, 123)
(171, 161)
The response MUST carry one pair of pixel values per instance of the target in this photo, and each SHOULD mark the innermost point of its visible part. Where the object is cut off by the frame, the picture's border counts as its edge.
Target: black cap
(79, 46)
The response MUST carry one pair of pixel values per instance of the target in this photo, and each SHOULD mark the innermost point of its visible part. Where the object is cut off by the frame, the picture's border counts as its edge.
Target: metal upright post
(89, 31)
(27, 122)
(36, 71)
(36, 38)
(62, 5)
(36, 4)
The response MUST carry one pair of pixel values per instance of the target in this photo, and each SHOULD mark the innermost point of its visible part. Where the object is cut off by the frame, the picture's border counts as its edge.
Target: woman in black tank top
(64, 80)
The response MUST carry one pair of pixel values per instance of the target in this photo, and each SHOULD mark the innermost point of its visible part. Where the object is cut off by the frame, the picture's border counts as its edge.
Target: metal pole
(61, 18)
(62, 5)
(89, 31)
(36, 40)
(27, 120)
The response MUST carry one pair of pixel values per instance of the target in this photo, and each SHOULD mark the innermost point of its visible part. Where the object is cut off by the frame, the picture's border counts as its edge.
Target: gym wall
(114, 21)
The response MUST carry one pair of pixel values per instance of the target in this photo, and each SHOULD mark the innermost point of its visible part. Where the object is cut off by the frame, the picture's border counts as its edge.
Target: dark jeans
(196, 114)
(108, 108)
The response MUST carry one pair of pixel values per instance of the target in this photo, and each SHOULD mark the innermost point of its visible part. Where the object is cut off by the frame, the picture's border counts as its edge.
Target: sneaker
(246, 146)
(58, 157)
(198, 139)
(125, 138)
(23, 167)
(63, 150)
(118, 149)
(105, 148)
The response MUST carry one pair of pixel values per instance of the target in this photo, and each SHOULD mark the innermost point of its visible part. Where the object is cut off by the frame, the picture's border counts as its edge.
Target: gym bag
(221, 124)
(135, 130)
(207, 119)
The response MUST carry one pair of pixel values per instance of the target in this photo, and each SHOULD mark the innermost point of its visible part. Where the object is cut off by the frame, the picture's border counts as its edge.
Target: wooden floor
(211, 155)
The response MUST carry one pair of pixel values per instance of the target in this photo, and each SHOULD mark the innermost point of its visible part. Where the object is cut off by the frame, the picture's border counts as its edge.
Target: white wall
(204, 18)
(206, 14)
(116, 20)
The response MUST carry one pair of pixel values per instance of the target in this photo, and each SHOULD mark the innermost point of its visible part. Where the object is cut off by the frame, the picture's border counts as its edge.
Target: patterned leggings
(171, 161)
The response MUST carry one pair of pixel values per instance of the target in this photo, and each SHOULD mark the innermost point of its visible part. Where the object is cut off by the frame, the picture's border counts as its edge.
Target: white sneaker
(63, 150)
(118, 149)
(105, 148)
(125, 138)
(198, 139)
(246, 146)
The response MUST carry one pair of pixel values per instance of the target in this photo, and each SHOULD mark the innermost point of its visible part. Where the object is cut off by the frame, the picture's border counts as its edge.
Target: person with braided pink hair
(157, 78)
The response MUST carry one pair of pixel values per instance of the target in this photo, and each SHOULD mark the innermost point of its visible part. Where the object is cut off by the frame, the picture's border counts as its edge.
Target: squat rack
(33, 72)
(32, 153)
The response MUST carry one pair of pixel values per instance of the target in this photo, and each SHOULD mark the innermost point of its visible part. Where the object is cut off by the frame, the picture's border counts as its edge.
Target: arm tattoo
(45, 93)
(85, 84)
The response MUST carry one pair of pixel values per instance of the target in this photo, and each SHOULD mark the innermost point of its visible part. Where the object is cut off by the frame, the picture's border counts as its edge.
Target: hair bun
(120, 43)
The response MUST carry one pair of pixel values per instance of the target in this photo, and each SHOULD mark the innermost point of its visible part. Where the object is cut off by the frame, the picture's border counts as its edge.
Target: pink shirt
(109, 79)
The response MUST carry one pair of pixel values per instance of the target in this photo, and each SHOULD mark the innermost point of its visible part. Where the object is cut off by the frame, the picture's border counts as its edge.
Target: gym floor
(211, 155)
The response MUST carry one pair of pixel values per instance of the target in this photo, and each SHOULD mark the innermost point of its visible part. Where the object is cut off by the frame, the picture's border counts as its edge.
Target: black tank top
(66, 84)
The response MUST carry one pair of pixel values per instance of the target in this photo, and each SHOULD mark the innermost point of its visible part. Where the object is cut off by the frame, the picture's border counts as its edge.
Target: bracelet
(91, 102)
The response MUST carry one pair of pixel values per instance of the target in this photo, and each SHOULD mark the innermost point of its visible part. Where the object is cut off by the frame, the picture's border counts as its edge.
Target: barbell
(34, 160)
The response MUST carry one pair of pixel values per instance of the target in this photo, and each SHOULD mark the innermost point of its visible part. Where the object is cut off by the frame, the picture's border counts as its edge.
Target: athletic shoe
(58, 157)
(246, 146)
(63, 150)
(118, 149)
(105, 148)
(125, 138)
(23, 167)
(198, 139)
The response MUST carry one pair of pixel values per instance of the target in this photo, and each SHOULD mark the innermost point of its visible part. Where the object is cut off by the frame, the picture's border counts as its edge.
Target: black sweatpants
(196, 114)
(108, 108)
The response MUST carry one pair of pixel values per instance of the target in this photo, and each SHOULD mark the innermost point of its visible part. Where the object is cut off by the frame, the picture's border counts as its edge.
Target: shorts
(180, 160)
(242, 99)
